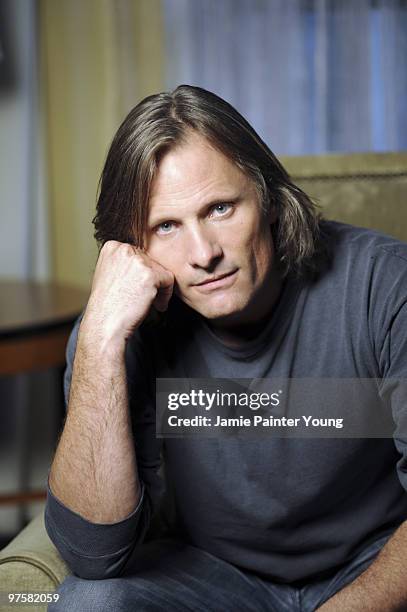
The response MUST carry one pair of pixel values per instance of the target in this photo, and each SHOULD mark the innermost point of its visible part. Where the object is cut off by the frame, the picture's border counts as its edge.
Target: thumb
(163, 296)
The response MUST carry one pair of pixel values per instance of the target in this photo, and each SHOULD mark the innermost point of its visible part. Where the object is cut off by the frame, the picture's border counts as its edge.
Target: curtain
(312, 76)
(23, 227)
(99, 58)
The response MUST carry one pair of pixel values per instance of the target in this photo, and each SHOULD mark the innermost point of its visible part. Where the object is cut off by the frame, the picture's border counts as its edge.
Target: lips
(221, 281)
(214, 278)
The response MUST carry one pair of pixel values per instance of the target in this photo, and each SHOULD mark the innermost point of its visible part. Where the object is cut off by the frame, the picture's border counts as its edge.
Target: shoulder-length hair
(161, 122)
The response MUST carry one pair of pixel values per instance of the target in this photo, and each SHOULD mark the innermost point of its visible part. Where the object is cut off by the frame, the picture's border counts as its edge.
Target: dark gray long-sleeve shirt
(286, 509)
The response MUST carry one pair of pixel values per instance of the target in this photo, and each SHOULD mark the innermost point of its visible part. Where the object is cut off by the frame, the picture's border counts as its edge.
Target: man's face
(206, 226)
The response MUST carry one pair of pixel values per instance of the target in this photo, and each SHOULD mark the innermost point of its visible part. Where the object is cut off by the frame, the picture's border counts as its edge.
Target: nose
(203, 248)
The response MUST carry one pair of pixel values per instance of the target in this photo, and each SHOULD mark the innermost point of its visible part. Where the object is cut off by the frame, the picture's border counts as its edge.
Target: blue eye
(221, 209)
(165, 228)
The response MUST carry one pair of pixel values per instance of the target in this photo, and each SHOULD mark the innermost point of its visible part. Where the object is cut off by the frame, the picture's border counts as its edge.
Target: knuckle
(127, 251)
(146, 275)
(109, 246)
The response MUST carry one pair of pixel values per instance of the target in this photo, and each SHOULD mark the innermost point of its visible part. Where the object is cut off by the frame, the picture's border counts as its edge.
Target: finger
(163, 297)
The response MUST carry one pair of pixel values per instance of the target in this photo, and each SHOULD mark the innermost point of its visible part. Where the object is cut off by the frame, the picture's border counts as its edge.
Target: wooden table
(35, 322)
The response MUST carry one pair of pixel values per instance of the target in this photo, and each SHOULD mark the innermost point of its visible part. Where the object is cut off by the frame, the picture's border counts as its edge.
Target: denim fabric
(171, 576)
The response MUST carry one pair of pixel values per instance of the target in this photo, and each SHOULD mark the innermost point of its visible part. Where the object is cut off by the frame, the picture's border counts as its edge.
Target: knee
(79, 595)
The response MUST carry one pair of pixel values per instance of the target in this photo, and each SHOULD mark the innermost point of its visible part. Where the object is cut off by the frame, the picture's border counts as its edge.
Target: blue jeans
(175, 577)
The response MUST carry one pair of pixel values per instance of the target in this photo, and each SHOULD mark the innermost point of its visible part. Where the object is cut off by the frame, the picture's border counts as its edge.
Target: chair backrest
(369, 189)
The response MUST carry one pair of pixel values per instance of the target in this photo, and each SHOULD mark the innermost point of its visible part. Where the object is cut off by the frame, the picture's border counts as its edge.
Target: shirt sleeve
(393, 365)
(93, 550)
(101, 550)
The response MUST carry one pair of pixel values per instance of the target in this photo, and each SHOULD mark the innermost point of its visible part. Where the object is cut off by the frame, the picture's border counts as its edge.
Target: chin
(219, 309)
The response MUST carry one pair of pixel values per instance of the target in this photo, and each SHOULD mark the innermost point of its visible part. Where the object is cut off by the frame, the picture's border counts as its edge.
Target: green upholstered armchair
(31, 563)
(363, 189)
(369, 189)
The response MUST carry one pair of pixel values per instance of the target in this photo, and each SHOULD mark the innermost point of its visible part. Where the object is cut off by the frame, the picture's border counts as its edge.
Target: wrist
(99, 343)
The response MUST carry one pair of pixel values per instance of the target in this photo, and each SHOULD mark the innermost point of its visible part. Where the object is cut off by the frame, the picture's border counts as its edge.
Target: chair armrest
(31, 562)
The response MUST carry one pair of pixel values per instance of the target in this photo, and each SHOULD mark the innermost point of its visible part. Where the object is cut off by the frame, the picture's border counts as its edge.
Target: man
(199, 222)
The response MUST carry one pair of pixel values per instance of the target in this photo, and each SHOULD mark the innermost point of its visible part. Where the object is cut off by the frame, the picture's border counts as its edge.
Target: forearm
(382, 587)
(94, 471)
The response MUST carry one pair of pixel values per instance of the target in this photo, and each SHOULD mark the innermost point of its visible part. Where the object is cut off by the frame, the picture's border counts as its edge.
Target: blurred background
(314, 77)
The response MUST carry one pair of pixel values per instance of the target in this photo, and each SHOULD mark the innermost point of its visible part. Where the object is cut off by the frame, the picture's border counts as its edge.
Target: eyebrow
(229, 198)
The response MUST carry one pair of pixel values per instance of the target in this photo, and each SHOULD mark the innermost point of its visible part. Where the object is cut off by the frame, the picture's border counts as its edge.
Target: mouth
(216, 282)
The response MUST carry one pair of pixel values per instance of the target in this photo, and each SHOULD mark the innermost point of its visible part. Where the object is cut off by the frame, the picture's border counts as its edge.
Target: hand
(126, 284)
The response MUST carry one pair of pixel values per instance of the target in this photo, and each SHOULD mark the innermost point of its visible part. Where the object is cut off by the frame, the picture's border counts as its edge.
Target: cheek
(258, 247)
(265, 254)
(239, 239)
(170, 258)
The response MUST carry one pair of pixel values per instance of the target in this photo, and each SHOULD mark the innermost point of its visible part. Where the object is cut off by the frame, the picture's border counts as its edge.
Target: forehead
(195, 172)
